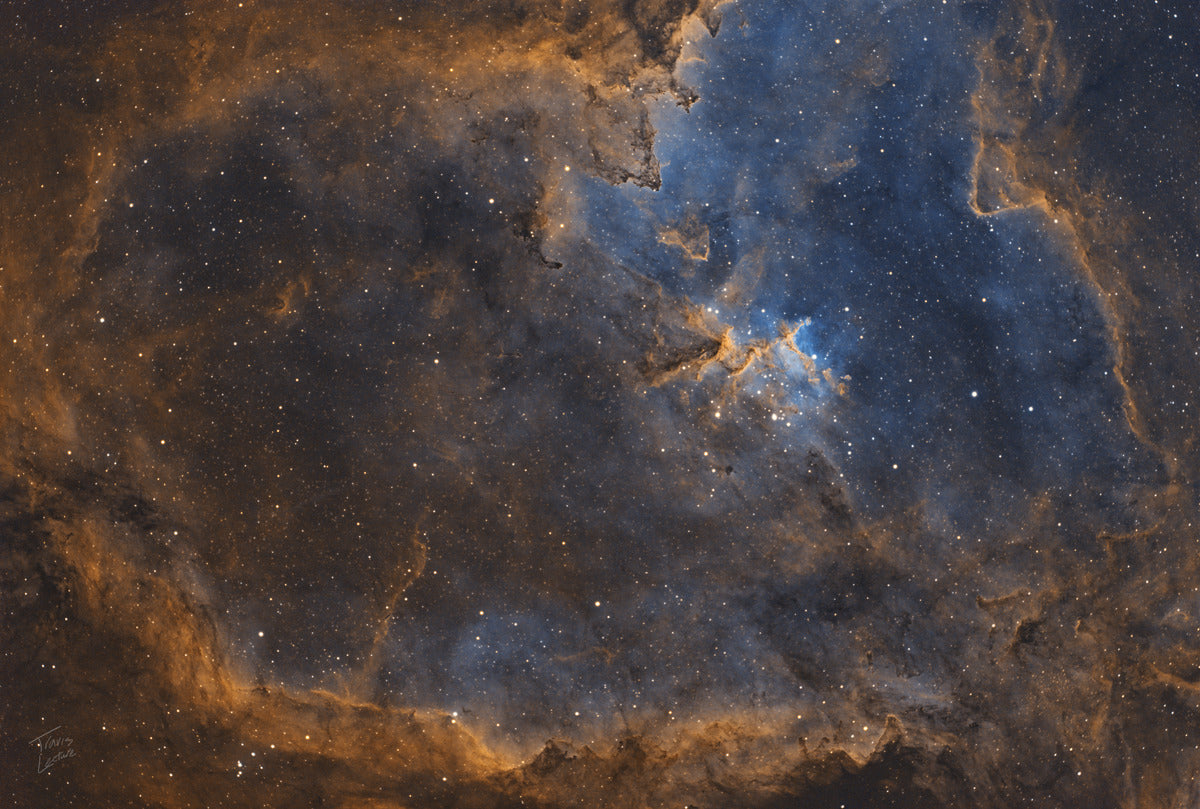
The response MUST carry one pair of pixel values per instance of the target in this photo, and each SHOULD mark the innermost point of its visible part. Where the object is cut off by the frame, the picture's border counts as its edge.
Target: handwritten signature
(53, 747)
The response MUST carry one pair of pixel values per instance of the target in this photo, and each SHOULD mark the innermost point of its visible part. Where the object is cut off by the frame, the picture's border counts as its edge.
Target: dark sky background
(585, 403)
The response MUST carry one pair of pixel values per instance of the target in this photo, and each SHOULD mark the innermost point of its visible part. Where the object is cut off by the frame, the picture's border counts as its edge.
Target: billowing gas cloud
(607, 404)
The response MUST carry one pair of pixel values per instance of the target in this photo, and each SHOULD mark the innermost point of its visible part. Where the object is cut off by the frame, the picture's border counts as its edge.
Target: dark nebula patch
(616, 404)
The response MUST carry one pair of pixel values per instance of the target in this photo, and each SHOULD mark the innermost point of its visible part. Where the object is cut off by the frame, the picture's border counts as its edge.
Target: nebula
(610, 404)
